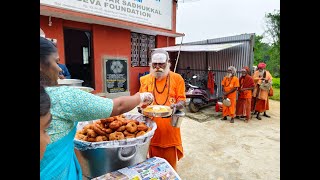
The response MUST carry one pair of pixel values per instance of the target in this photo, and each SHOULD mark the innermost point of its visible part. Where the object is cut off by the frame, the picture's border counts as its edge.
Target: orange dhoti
(171, 154)
(166, 142)
(229, 84)
(261, 105)
(244, 107)
(261, 95)
(229, 111)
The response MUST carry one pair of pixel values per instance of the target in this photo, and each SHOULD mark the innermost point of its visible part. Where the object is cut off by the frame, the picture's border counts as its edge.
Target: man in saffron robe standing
(168, 89)
(246, 82)
(230, 83)
(263, 81)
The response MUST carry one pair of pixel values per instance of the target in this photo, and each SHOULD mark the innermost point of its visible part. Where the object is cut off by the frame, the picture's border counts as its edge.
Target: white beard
(162, 74)
(261, 73)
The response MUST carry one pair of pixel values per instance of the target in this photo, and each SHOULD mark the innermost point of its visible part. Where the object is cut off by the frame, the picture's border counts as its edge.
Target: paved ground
(217, 150)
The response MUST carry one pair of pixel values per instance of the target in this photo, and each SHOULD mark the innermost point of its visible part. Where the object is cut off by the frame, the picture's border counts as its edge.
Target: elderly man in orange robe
(245, 94)
(263, 81)
(230, 83)
(168, 89)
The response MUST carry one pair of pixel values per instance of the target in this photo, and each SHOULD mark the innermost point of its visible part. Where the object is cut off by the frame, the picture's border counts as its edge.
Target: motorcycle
(198, 97)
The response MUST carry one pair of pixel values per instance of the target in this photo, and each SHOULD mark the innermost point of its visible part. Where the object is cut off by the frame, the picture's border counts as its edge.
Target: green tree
(273, 31)
(261, 50)
(273, 26)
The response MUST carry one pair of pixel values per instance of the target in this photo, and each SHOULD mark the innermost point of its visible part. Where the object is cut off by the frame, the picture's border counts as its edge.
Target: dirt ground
(219, 150)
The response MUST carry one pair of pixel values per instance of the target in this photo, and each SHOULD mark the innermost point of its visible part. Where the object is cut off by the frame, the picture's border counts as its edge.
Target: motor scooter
(198, 97)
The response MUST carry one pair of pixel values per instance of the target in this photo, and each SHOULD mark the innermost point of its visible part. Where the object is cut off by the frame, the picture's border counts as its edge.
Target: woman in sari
(69, 106)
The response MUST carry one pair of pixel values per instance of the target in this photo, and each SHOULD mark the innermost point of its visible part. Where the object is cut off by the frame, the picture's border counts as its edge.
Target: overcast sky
(208, 19)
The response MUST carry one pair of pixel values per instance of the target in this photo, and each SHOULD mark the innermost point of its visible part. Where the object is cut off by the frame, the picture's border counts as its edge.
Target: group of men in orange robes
(252, 93)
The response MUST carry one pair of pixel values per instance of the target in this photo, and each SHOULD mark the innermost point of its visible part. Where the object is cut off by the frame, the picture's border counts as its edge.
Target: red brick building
(106, 43)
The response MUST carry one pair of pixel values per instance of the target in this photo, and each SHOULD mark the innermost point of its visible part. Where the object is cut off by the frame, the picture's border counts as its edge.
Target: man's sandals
(224, 118)
(266, 115)
(232, 120)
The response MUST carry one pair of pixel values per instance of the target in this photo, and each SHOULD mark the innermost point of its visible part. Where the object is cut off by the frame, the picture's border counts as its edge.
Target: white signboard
(157, 13)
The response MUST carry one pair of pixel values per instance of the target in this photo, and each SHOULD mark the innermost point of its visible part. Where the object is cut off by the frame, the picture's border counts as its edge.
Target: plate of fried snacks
(157, 111)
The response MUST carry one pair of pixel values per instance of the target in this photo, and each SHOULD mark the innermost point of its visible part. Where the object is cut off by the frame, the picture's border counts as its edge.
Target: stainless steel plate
(157, 114)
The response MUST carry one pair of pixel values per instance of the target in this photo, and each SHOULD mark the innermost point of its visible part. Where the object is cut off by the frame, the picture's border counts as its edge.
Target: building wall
(107, 42)
(54, 31)
(101, 19)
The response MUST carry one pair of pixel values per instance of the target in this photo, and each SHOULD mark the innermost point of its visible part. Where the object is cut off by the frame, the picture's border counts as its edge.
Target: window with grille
(141, 45)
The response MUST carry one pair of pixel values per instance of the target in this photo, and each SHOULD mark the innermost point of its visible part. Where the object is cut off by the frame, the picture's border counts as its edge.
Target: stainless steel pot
(176, 119)
(83, 88)
(96, 162)
(99, 158)
(70, 82)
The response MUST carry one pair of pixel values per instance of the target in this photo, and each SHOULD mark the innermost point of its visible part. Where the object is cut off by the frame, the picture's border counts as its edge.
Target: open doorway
(78, 55)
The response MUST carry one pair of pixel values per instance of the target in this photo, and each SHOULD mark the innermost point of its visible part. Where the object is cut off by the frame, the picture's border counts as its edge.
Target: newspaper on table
(152, 169)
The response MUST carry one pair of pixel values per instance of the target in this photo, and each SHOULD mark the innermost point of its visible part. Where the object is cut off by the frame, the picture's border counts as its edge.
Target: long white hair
(233, 70)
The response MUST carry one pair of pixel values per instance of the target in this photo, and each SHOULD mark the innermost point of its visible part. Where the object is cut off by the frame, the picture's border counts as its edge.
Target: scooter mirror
(194, 76)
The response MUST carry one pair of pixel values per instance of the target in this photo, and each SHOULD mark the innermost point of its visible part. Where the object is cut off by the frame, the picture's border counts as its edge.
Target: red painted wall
(55, 31)
(164, 41)
(110, 42)
(134, 81)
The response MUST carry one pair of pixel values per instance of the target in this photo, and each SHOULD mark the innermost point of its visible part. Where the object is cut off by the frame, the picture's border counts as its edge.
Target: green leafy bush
(276, 83)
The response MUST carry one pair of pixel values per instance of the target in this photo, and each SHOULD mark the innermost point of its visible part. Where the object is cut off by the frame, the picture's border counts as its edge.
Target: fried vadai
(98, 129)
(101, 138)
(130, 136)
(116, 136)
(91, 133)
(115, 124)
(142, 127)
(131, 127)
(140, 133)
(121, 128)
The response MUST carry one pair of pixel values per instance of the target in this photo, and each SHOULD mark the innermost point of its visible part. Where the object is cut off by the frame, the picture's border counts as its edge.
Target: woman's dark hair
(47, 48)
(45, 102)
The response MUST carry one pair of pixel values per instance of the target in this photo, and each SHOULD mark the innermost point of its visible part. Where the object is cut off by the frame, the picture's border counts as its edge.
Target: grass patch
(276, 83)
(276, 94)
